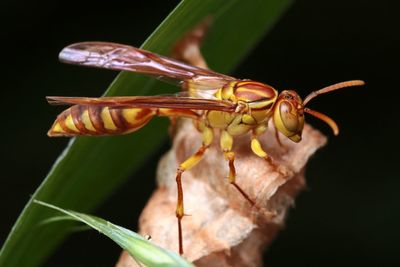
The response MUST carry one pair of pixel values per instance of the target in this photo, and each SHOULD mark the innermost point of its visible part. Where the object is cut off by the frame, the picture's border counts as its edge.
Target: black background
(350, 213)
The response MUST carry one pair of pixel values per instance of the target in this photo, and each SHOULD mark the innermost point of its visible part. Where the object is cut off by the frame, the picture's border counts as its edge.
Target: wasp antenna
(53, 100)
(324, 118)
(333, 87)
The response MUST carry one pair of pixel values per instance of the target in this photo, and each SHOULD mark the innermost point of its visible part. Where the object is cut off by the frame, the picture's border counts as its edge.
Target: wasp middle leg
(226, 143)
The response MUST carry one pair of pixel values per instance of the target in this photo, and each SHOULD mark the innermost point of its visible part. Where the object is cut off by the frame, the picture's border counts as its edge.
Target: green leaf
(90, 169)
(137, 246)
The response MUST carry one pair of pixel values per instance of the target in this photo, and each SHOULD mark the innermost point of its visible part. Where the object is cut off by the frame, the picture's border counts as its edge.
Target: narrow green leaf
(107, 162)
(137, 246)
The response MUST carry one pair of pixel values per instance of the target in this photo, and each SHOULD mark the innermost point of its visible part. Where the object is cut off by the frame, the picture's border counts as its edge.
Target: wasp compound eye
(289, 116)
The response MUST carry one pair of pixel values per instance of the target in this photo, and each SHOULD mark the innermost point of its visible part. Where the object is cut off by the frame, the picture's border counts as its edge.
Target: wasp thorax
(256, 94)
(289, 115)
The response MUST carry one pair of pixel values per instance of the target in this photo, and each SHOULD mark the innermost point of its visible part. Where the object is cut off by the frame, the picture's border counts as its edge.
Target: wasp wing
(172, 102)
(127, 58)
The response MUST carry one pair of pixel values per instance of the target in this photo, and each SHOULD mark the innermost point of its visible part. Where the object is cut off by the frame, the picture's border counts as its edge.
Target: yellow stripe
(107, 120)
(261, 104)
(70, 124)
(57, 128)
(244, 83)
(129, 115)
(87, 122)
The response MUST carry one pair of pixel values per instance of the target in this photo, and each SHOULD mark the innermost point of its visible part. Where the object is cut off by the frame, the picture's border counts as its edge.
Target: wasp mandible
(214, 101)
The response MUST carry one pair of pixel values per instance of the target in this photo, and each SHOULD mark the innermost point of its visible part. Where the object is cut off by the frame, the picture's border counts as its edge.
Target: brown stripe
(257, 87)
(76, 113)
(235, 87)
(264, 108)
(95, 118)
(61, 119)
(249, 95)
(118, 119)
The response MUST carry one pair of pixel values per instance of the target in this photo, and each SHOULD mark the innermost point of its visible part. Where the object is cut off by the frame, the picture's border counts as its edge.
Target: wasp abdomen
(99, 120)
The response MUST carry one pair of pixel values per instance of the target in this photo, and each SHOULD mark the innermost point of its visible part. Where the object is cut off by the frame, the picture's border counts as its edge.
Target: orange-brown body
(214, 101)
(97, 120)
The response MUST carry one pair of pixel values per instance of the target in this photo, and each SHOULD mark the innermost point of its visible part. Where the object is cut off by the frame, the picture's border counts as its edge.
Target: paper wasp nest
(223, 229)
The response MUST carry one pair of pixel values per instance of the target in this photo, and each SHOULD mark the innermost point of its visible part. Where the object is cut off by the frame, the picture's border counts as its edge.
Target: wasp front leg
(259, 151)
(208, 136)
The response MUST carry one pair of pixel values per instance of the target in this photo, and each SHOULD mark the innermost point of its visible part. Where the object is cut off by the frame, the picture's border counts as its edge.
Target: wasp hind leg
(184, 166)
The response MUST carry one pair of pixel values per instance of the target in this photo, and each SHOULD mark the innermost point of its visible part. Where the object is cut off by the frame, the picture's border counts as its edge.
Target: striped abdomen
(99, 120)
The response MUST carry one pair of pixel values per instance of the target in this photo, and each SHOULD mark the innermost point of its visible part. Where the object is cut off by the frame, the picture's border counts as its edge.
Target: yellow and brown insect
(215, 102)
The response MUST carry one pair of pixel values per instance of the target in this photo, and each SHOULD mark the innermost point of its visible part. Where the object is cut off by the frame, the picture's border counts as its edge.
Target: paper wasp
(215, 102)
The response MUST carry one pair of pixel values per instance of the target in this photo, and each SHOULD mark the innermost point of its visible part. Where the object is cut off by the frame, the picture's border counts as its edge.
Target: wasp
(215, 102)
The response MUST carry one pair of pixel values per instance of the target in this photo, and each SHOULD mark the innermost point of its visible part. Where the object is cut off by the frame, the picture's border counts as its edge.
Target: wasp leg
(226, 143)
(259, 151)
(186, 165)
(188, 47)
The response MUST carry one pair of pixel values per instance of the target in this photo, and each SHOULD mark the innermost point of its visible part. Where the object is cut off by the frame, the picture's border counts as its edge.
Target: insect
(214, 101)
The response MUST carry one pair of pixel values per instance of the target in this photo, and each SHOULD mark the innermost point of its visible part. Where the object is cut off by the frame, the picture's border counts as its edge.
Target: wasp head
(289, 115)
(289, 109)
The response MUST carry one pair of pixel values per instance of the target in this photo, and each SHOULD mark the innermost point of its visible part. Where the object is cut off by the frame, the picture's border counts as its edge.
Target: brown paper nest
(222, 228)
